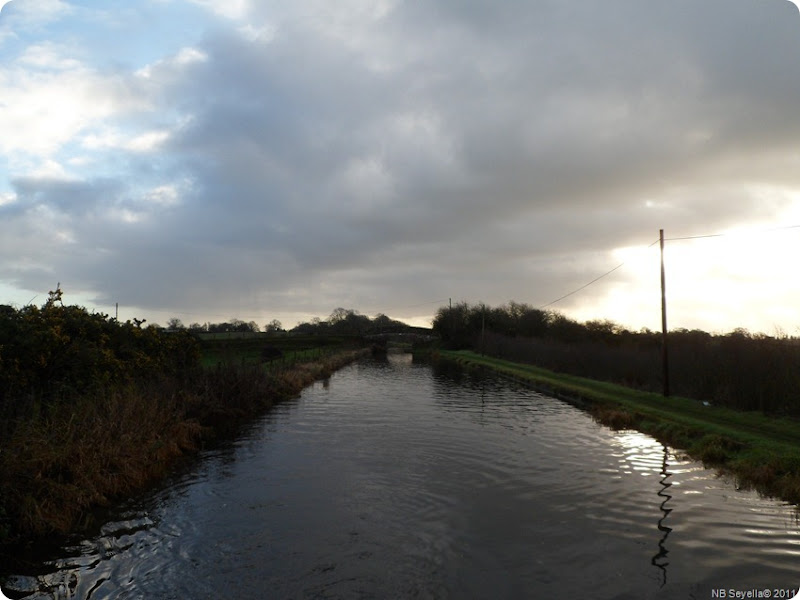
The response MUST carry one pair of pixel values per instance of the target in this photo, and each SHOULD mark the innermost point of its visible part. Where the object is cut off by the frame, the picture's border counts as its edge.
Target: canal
(401, 480)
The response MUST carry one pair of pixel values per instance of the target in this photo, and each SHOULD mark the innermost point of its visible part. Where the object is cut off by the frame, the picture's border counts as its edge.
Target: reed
(105, 445)
(83, 453)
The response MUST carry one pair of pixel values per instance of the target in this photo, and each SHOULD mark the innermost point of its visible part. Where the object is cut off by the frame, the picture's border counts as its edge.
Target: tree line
(739, 369)
(232, 326)
(342, 321)
(350, 322)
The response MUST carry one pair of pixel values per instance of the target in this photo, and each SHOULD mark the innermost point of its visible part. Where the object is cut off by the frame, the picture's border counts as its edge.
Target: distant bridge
(403, 337)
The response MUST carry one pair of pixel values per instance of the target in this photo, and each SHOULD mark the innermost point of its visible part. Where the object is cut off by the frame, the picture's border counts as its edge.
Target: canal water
(401, 480)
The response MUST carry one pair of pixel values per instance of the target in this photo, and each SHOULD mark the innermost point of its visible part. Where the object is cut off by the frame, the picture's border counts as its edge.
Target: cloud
(391, 153)
(230, 9)
(49, 101)
(27, 13)
(22, 17)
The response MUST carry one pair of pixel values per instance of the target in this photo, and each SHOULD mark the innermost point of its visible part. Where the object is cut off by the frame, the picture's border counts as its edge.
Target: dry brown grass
(613, 417)
(87, 453)
(83, 454)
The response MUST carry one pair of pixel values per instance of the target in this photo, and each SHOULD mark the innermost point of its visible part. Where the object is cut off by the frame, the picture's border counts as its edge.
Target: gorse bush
(57, 352)
(91, 409)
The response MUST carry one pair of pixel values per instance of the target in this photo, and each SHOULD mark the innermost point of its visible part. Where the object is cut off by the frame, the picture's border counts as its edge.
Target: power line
(673, 239)
(423, 304)
(559, 299)
(582, 287)
(596, 279)
(397, 308)
(696, 237)
(714, 235)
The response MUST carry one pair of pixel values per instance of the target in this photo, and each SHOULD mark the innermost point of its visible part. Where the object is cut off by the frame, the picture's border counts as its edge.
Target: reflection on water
(646, 456)
(660, 558)
(398, 480)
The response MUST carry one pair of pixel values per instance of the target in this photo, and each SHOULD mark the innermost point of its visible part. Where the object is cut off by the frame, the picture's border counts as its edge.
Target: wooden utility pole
(483, 330)
(664, 350)
(452, 320)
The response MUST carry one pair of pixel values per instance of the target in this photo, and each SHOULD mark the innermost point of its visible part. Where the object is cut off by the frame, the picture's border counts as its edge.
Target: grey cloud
(69, 196)
(472, 141)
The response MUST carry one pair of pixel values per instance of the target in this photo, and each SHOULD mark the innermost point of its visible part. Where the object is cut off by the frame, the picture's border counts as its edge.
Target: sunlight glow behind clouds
(147, 141)
(284, 159)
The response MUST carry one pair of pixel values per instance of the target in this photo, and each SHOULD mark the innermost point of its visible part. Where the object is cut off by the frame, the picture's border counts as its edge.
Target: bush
(58, 353)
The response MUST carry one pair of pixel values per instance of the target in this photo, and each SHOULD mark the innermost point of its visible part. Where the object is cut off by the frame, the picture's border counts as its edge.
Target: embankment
(113, 442)
(760, 451)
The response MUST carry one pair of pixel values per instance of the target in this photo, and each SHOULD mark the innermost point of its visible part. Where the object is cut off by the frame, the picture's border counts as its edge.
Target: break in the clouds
(207, 160)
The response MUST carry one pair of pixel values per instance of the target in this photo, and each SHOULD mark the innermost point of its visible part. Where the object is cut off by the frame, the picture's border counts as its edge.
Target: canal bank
(58, 468)
(760, 451)
(401, 479)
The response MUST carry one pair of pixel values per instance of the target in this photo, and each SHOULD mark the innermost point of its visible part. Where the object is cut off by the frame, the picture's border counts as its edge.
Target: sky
(262, 160)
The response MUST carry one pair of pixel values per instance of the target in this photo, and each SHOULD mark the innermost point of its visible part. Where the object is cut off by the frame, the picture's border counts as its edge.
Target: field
(272, 350)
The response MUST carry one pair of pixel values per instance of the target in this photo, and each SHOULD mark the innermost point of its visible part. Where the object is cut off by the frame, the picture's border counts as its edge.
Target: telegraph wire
(596, 279)
(423, 304)
(733, 233)
(559, 299)
(582, 287)
(697, 237)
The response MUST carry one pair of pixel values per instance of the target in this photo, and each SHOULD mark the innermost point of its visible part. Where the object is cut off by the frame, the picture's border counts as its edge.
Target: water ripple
(396, 481)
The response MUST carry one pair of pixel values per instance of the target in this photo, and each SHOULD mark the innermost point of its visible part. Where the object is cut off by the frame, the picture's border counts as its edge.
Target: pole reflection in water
(395, 480)
(660, 558)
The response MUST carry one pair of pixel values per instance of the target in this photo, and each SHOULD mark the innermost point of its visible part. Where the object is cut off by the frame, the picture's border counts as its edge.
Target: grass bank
(77, 455)
(761, 452)
(276, 351)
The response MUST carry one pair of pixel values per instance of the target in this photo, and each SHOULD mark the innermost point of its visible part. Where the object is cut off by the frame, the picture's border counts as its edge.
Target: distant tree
(381, 322)
(603, 330)
(304, 328)
(174, 323)
(452, 324)
(564, 329)
(533, 322)
(356, 324)
(235, 325)
(198, 328)
(339, 314)
(274, 326)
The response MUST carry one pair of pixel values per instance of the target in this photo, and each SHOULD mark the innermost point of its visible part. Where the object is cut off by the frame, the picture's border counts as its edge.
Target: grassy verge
(286, 350)
(760, 451)
(78, 455)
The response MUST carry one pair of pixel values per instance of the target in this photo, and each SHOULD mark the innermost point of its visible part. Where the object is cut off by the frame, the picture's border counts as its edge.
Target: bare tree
(273, 326)
(175, 323)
